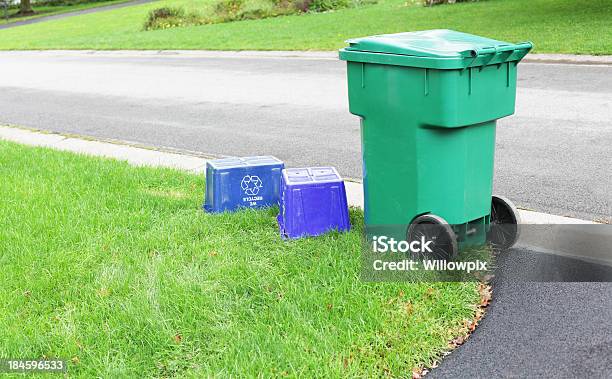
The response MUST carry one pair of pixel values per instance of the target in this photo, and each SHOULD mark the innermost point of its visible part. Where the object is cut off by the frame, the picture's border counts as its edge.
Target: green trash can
(428, 103)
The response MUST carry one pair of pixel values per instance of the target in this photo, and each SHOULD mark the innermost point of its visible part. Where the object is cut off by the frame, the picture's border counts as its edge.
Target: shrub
(228, 10)
(327, 5)
(164, 18)
(235, 10)
(256, 9)
(301, 5)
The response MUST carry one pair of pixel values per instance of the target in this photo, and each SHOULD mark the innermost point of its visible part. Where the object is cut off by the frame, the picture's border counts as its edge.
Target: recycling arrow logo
(251, 184)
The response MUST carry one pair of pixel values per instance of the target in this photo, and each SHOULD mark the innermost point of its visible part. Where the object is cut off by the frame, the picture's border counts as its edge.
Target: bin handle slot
(493, 51)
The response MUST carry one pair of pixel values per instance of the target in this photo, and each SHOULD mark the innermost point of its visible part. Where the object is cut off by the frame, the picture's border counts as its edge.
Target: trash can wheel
(505, 221)
(433, 228)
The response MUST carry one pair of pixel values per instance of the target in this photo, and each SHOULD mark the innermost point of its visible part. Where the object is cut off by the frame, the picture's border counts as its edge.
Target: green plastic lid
(439, 48)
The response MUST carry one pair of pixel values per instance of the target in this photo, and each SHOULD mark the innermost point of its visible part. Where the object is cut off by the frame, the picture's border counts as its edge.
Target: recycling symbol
(251, 185)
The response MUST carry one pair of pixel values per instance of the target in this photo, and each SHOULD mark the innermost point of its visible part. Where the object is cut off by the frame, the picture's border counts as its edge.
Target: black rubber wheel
(433, 228)
(505, 223)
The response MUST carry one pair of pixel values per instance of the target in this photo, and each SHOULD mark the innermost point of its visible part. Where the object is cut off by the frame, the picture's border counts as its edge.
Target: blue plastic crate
(313, 201)
(249, 182)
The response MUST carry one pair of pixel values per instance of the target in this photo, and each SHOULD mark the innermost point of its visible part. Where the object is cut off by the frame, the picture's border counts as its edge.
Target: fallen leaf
(409, 308)
(473, 326)
(429, 292)
(458, 341)
(178, 338)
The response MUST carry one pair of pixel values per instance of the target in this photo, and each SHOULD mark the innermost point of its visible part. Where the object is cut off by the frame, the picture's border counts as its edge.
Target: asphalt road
(540, 329)
(552, 156)
(550, 316)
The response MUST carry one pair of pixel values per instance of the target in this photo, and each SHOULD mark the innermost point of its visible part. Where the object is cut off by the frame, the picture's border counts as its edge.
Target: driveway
(540, 329)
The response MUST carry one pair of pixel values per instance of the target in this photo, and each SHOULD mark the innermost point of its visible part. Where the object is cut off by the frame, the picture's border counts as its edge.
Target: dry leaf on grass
(409, 308)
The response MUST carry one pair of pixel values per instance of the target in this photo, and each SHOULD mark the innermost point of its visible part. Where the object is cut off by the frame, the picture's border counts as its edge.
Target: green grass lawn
(50, 10)
(559, 26)
(118, 270)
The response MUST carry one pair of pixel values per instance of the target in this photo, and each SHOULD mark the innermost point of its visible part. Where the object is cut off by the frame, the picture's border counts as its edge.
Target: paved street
(552, 156)
(527, 333)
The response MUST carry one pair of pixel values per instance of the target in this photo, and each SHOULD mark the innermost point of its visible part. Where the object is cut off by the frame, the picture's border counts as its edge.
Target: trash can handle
(499, 49)
(494, 50)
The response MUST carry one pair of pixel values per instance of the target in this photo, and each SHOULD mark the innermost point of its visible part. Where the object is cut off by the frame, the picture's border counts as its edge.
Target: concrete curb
(326, 55)
(605, 60)
(139, 156)
(136, 156)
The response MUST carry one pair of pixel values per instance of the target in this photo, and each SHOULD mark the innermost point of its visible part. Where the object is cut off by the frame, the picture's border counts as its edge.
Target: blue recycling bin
(248, 182)
(313, 202)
